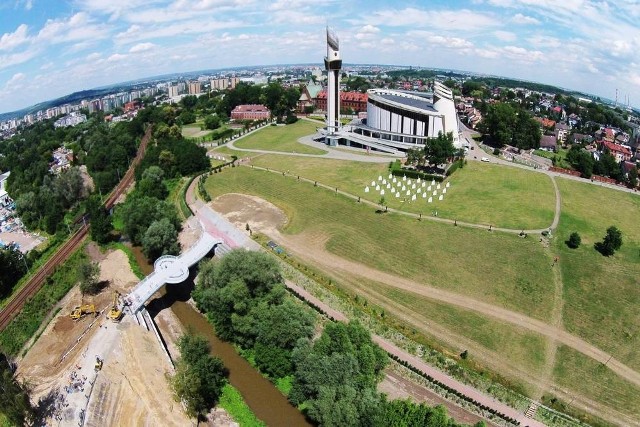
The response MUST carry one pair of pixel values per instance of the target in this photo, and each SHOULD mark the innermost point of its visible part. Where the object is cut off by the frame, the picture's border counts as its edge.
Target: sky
(50, 48)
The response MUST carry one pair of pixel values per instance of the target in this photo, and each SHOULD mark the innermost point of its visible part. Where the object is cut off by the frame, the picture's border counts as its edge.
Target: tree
(88, 273)
(212, 122)
(498, 123)
(15, 404)
(632, 178)
(101, 226)
(581, 160)
(139, 212)
(199, 376)
(611, 243)
(526, 133)
(161, 238)
(415, 156)
(439, 149)
(574, 240)
(12, 268)
(152, 184)
(336, 375)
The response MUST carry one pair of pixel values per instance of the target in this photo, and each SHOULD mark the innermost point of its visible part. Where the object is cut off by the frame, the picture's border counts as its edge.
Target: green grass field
(479, 193)
(602, 293)
(595, 381)
(494, 267)
(513, 346)
(281, 138)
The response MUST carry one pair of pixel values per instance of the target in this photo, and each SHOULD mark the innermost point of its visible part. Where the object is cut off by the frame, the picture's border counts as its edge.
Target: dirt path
(303, 246)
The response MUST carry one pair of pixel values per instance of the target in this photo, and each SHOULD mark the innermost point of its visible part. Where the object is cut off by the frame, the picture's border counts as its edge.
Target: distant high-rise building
(233, 81)
(173, 91)
(194, 88)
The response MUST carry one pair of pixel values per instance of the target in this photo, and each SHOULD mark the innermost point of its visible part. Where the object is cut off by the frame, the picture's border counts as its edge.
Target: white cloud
(141, 47)
(10, 41)
(14, 81)
(117, 57)
(369, 29)
(519, 18)
(78, 27)
(506, 36)
(464, 19)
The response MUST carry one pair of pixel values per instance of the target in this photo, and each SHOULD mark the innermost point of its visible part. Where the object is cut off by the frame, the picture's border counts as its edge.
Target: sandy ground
(130, 390)
(190, 233)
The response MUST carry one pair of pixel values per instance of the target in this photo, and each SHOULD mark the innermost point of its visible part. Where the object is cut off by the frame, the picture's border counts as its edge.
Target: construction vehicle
(98, 364)
(115, 313)
(80, 311)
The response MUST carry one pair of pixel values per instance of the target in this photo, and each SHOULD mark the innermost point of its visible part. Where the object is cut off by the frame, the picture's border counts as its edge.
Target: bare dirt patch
(131, 389)
(114, 268)
(242, 209)
(191, 231)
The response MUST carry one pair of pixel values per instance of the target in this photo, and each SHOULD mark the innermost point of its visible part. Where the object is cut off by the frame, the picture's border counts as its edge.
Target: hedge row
(396, 169)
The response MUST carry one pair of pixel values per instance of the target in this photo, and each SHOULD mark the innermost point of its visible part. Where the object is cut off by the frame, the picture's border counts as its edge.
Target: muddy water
(264, 399)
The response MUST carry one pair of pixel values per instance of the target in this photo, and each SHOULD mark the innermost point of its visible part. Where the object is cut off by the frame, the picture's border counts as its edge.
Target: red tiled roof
(250, 107)
(617, 148)
(347, 96)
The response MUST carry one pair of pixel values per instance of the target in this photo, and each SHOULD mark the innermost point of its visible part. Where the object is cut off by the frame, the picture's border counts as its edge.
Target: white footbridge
(170, 269)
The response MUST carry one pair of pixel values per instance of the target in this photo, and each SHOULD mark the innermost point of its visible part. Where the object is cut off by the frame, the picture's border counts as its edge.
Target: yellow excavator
(115, 313)
(80, 311)
(98, 364)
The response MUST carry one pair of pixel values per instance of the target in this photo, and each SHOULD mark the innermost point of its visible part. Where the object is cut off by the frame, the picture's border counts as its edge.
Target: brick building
(250, 112)
(355, 100)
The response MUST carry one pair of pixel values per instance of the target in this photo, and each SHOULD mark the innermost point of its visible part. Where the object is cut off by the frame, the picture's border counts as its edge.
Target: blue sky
(50, 48)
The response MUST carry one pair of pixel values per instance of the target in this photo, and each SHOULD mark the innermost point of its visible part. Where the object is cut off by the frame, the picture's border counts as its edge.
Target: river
(264, 399)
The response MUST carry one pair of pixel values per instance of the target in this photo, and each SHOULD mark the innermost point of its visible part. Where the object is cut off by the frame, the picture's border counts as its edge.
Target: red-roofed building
(354, 100)
(250, 112)
(619, 152)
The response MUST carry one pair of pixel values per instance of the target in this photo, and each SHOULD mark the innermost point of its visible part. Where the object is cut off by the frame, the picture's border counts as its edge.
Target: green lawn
(513, 346)
(494, 267)
(281, 138)
(602, 294)
(560, 156)
(194, 130)
(479, 193)
(596, 382)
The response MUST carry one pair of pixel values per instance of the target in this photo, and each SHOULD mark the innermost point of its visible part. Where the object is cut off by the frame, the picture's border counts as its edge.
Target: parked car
(485, 159)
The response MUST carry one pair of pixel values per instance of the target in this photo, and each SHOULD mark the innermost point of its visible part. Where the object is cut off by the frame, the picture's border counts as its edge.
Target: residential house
(548, 142)
(562, 132)
(619, 152)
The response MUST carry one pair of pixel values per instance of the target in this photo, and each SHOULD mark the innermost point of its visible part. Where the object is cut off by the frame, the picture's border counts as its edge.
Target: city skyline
(47, 51)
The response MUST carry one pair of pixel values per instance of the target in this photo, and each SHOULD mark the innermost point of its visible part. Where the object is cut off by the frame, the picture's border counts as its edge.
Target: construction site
(92, 366)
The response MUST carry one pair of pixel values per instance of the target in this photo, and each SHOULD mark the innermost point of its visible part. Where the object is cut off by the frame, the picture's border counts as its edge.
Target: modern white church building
(396, 120)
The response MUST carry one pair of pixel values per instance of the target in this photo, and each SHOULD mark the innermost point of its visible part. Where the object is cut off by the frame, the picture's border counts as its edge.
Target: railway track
(37, 280)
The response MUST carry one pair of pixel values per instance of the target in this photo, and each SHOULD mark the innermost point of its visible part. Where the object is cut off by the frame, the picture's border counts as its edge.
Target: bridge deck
(170, 269)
